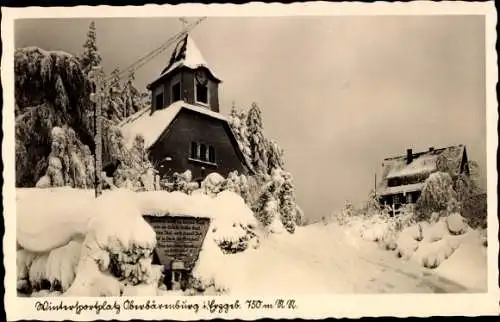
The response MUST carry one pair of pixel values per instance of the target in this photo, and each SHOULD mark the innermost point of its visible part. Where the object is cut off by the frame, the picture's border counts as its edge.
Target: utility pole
(97, 99)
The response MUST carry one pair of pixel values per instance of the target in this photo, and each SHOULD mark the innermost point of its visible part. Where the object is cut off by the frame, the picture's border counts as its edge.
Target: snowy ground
(327, 259)
(315, 259)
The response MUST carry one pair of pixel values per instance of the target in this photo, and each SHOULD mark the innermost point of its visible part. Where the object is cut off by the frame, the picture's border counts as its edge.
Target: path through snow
(326, 259)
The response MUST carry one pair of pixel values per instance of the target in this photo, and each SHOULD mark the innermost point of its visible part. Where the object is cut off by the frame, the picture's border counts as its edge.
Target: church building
(183, 129)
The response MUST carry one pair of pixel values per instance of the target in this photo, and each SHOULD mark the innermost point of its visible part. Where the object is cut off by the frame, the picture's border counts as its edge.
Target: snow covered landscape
(96, 157)
(70, 252)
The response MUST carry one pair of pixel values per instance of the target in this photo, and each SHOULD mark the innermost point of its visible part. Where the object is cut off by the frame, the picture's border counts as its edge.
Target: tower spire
(184, 22)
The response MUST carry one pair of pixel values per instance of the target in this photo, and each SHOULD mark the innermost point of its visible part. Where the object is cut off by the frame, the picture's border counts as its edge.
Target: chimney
(431, 149)
(409, 156)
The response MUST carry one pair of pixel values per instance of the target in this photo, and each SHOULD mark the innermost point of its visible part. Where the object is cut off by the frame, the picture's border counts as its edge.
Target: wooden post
(98, 101)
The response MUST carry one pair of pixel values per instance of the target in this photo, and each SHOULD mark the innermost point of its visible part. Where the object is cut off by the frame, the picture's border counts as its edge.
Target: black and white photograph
(206, 155)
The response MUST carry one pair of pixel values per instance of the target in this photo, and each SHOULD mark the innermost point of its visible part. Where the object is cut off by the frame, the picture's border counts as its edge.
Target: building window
(203, 152)
(194, 150)
(396, 199)
(159, 101)
(201, 93)
(211, 154)
(176, 92)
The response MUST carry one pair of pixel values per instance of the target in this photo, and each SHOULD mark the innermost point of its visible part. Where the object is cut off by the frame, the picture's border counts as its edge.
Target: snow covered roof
(422, 163)
(402, 189)
(151, 126)
(186, 54)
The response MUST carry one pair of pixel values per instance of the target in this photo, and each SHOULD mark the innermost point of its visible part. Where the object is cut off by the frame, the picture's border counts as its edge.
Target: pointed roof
(152, 125)
(186, 54)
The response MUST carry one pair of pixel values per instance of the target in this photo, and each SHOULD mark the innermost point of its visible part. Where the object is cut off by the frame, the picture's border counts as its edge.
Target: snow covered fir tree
(158, 192)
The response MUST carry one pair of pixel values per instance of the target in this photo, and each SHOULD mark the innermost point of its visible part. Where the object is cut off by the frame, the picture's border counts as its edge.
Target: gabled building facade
(402, 177)
(183, 129)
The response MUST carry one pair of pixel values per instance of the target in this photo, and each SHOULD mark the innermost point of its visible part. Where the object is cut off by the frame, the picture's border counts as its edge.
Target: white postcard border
(309, 306)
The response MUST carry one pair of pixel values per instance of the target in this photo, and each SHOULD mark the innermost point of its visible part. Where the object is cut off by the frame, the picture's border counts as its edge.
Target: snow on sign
(178, 238)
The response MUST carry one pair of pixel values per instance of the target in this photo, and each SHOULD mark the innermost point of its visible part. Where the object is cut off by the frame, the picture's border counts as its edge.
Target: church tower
(188, 78)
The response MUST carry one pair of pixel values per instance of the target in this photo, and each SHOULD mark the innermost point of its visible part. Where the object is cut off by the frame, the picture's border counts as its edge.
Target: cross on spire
(184, 22)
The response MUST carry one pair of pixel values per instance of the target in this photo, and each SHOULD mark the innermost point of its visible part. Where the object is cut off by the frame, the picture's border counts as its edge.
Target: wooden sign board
(178, 238)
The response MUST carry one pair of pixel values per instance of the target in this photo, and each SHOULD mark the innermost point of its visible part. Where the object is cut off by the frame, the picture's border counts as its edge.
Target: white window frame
(197, 157)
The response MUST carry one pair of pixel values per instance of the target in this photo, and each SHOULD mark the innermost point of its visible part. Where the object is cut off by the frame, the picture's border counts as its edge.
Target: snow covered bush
(345, 215)
(115, 255)
(406, 245)
(61, 265)
(287, 206)
(456, 224)
(234, 227)
(431, 255)
(69, 162)
(212, 184)
(377, 227)
(436, 231)
(437, 195)
(408, 240)
(237, 184)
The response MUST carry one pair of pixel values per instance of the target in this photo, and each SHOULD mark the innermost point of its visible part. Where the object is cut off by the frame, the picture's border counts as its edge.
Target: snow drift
(103, 247)
(445, 244)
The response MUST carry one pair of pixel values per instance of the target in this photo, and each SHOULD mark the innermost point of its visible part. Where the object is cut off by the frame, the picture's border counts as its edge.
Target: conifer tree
(131, 97)
(237, 122)
(115, 105)
(90, 57)
(50, 90)
(274, 156)
(256, 140)
(300, 219)
(287, 206)
(267, 205)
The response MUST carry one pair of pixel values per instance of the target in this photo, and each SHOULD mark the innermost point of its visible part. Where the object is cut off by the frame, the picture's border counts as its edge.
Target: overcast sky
(338, 93)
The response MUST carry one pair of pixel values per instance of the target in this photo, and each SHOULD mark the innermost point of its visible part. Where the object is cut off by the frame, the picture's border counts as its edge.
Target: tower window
(176, 92)
(211, 154)
(201, 93)
(159, 101)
